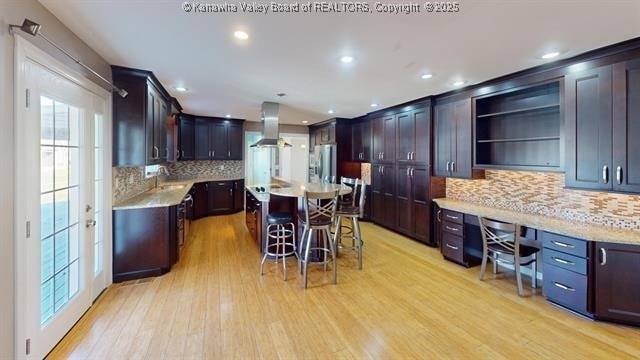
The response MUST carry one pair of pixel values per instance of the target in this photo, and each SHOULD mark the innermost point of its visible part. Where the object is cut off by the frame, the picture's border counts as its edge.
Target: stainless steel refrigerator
(322, 163)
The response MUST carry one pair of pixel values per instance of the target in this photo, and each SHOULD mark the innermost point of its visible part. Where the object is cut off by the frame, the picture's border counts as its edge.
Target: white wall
(13, 12)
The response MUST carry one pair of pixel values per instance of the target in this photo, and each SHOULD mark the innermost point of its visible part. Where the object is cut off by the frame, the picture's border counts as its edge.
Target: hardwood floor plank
(406, 303)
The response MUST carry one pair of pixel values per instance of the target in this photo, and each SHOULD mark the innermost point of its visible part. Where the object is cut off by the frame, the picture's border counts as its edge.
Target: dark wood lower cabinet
(145, 242)
(617, 285)
(217, 198)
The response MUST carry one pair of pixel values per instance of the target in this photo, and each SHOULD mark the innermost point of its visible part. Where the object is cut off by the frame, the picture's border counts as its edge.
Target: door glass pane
(59, 205)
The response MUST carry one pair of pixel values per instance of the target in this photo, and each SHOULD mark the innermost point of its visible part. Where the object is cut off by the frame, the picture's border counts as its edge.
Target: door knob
(90, 223)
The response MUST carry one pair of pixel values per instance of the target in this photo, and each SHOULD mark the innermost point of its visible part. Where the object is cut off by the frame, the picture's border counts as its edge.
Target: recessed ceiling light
(241, 35)
(426, 76)
(550, 55)
(374, 105)
(459, 83)
(228, 116)
(330, 111)
(304, 121)
(346, 59)
(180, 88)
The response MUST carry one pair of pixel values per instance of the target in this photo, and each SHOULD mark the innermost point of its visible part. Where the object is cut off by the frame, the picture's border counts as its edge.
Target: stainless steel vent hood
(270, 132)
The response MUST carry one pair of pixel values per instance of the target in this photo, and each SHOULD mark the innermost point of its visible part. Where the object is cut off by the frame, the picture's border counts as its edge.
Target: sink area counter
(168, 193)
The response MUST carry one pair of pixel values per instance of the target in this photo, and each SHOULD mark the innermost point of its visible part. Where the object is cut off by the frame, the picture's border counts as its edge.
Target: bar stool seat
(281, 229)
(279, 218)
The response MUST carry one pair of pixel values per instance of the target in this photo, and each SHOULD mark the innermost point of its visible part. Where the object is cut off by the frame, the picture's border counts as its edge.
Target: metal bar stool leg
(307, 244)
(358, 234)
(333, 256)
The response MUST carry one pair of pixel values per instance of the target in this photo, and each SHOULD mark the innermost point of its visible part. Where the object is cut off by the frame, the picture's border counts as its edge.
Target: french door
(60, 198)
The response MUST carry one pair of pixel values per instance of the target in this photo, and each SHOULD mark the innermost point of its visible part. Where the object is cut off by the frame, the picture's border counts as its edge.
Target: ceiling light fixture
(550, 55)
(346, 59)
(459, 83)
(228, 116)
(181, 88)
(241, 35)
(304, 121)
(330, 111)
(374, 105)
(426, 76)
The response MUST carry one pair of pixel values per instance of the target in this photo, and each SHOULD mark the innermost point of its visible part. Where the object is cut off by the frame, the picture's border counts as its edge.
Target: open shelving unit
(519, 129)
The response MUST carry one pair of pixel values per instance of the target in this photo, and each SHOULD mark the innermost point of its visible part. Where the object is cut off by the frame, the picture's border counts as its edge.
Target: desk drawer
(565, 287)
(565, 261)
(452, 216)
(453, 228)
(452, 247)
(564, 244)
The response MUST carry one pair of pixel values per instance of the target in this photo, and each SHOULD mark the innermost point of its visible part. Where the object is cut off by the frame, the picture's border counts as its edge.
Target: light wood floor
(407, 303)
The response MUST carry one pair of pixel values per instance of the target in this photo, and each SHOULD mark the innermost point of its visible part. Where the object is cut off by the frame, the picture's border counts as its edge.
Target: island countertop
(583, 231)
(292, 188)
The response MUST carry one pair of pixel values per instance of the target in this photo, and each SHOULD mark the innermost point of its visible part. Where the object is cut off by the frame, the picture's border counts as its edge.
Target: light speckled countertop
(559, 226)
(291, 188)
(163, 198)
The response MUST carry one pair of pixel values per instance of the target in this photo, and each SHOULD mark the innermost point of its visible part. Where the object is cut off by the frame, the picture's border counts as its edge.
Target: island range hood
(270, 133)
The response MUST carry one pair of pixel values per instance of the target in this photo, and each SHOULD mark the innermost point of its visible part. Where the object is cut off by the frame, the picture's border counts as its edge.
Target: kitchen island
(280, 195)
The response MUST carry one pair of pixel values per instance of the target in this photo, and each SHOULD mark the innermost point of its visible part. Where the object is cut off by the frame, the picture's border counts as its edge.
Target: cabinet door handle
(183, 154)
(603, 251)
(453, 166)
(408, 155)
(413, 155)
(408, 170)
(412, 169)
(619, 175)
(564, 245)
(605, 174)
(156, 153)
(438, 215)
(382, 168)
(451, 246)
(206, 186)
(213, 153)
(450, 228)
(563, 261)
(448, 165)
(563, 287)
(229, 153)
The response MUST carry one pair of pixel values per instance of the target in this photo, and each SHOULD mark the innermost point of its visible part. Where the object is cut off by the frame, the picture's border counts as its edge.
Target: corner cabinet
(139, 120)
(453, 140)
(617, 285)
(603, 128)
(218, 139)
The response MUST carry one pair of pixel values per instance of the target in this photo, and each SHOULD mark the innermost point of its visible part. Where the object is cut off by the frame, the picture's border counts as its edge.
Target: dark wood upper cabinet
(140, 119)
(617, 285)
(187, 137)
(389, 152)
(361, 142)
(589, 127)
(626, 126)
(414, 136)
(235, 137)
(218, 139)
(377, 139)
(453, 133)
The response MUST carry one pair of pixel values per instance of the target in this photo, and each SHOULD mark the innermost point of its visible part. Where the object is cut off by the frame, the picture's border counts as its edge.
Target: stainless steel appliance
(184, 220)
(322, 163)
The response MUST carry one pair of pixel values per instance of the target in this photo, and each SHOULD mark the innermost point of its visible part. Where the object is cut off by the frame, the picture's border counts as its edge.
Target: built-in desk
(589, 269)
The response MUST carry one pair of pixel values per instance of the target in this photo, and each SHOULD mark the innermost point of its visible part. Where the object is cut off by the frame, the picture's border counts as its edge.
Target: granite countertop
(584, 231)
(291, 188)
(158, 197)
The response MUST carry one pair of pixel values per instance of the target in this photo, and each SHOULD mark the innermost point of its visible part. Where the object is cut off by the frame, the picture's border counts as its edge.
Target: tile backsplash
(130, 181)
(544, 194)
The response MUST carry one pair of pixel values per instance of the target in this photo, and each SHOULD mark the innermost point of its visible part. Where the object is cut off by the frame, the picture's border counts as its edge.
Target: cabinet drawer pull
(450, 228)
(564, 245)
(564, 287)
(452, 217)
(604, 257)
(563, 261)
(451, 246)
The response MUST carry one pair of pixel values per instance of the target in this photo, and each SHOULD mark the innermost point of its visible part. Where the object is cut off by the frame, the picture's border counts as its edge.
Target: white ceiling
(298, 54)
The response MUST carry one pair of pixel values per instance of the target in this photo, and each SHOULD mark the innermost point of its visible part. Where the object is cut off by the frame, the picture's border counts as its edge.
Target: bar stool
(319, 215)
(282, 229)
(353, 211)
